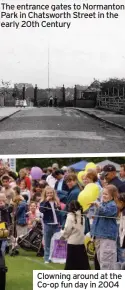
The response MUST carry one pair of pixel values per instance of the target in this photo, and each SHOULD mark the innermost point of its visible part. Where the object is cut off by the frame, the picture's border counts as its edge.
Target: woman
(23, 176)
(74, 190)
(91, 177)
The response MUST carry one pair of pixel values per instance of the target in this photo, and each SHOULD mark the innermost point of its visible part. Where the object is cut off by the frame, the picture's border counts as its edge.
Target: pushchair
(32, 241)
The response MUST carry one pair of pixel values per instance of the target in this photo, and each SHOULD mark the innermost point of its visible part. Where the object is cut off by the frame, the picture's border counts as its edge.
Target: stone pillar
(35, 96)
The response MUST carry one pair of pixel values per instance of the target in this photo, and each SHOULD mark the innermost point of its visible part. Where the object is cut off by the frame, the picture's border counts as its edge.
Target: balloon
(36, 173)
(79, 176)
(62, 205)
(88, 195)
(90, 247)
(90, 165)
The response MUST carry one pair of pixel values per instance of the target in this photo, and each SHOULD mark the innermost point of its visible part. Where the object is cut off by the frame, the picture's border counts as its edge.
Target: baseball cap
(107, 168)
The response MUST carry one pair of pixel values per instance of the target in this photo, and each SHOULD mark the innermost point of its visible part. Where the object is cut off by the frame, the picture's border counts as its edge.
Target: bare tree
(4, 90)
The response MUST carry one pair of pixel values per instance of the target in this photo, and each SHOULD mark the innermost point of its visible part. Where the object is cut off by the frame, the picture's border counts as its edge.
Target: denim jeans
(49, 231)
(3, 246)
(120, 252)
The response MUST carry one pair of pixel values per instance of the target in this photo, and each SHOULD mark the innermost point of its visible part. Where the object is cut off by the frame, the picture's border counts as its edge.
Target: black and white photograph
(88, 189)
(62, 144)
(63, 90)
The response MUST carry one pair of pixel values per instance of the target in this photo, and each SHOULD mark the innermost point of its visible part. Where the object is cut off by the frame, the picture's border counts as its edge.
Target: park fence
(109, 101)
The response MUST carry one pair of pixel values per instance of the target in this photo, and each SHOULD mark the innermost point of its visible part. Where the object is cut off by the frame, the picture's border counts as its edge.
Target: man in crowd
(60, 183)
(110, 174)
(122, 172)
(65, 169)
(51, 180)
(44, 176)
(6, 188)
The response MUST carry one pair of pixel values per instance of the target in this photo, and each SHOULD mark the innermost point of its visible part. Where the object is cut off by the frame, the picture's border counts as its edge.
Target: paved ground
(58, 130)
(111, 117)
(6, 112)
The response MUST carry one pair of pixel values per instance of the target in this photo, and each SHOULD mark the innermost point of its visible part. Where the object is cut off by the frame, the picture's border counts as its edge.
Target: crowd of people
(50, 196)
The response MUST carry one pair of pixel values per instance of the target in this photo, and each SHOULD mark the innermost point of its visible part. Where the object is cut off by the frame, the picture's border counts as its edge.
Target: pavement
(57, 131)
(109, 117)
(112, 118)
(6, 112)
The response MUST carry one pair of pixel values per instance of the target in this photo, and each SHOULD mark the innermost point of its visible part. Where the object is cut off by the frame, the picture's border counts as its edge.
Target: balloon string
(86, 215)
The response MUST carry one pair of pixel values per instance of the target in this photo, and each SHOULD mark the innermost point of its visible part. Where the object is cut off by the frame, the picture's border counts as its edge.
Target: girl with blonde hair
(50, 207)
(105, 229)
(55, 197)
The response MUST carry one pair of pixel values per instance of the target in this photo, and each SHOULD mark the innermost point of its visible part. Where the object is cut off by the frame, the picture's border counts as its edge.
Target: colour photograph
(61, 214)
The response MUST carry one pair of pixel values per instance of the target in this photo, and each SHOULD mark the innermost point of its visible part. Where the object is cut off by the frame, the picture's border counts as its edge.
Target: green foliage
(113, 84)
(45, 162)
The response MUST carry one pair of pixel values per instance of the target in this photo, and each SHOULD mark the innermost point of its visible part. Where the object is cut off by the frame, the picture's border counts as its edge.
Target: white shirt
(55, 222)
(51, 181)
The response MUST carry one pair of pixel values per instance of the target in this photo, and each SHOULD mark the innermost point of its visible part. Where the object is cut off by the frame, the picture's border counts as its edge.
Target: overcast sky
(90, 49)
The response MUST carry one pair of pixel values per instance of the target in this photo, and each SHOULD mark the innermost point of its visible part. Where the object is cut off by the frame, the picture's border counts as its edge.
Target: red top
(28, 182)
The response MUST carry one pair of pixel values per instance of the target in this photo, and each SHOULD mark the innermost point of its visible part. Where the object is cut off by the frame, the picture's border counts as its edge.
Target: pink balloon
(62, 205)
(36, 173)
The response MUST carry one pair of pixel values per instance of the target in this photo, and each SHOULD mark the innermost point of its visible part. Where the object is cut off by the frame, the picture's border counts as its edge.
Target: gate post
(35, 96)
(64, 94)
(75, 95)
(123, 89)
(23, 92)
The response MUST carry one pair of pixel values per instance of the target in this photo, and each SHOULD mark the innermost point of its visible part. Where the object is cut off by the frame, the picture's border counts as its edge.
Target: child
(6, 189)
(33, 215)
(17, 192)
(122, 225)
(37, 198)
(49, 206)
(4, 219)
(74, 234)
(121, 206)
(21, 210)
(24, 190)
(105, 230)
(38, 188)
(19, 222)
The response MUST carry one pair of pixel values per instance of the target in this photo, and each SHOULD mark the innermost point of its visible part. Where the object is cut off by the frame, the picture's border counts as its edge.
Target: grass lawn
(20, 270)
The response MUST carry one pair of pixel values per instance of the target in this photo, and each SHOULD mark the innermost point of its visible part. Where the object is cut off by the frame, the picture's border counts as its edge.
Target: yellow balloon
(79, 176)
(90, 165)
(90, 247)
(88, 195)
